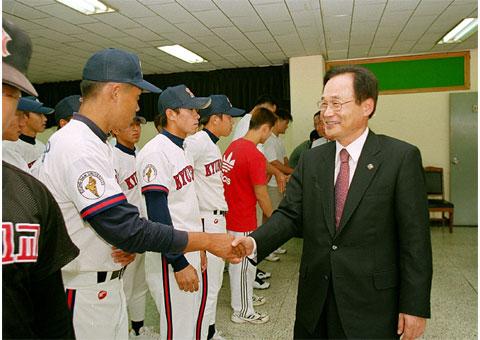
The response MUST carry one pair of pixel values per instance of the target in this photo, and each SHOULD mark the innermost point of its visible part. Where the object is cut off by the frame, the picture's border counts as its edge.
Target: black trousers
(328, 327)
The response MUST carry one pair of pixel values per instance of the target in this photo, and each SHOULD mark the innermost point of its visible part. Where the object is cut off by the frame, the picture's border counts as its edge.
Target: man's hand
(281, 181)
(221, 245)
(243, 245)
(187, 279)
(410, 326)
(122, 257)
(203, 260)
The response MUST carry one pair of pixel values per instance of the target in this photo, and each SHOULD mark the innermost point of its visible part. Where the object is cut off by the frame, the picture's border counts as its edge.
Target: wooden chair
(436, 198)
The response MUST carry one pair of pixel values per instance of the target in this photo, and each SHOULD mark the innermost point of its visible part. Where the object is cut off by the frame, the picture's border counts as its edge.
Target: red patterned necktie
(341, 186)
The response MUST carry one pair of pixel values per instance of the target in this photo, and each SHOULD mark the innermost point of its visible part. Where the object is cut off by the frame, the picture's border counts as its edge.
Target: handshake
(222, 245)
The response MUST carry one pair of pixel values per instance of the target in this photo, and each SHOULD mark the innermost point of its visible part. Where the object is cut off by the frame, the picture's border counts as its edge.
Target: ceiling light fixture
(87, 7)
(460, 32)
(181, 52)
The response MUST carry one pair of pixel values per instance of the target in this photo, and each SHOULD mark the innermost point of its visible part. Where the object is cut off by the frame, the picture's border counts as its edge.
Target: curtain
(242, 86)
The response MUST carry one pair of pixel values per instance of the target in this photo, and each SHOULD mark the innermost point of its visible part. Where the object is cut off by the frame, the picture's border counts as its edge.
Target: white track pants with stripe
(242, 276)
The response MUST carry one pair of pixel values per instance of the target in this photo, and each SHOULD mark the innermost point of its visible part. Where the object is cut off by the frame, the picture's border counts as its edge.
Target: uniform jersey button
(334, 247)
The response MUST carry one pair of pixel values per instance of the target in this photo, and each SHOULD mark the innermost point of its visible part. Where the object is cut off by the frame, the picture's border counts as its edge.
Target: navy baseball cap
(32, 104)
(180, 96)
(221, 104)
(16, 54)
(114, 65)
(66, 107)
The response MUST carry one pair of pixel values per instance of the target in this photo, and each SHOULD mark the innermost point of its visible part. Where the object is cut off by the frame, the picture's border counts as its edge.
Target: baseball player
(134, 284)
(207, 162)
(35, 243)
(65, 109)
(167, 181)
(25, 149)
(78, 168)
(244, 178)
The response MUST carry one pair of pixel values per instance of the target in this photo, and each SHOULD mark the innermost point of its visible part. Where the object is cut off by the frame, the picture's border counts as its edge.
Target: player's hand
(281, 180)
(221, 245)
(187, 279)
(122, 257)
(410, 326)
(243, 245)
(203, 260)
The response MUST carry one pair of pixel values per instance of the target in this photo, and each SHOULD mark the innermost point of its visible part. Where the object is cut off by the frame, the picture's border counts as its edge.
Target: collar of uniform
(123, 148)
(354, 148)
(94, 127)
(214, 138)
(175, 140)
(27, 139)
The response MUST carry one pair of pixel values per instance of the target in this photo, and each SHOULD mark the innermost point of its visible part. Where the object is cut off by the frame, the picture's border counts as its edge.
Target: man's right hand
(187, 279)
(243, 245)
(281, 179)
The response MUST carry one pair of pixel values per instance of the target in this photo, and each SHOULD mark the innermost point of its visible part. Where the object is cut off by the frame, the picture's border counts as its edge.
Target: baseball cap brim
(197, 103)
(13, 77)
(235, 112)
(140, 119)
(147, 87)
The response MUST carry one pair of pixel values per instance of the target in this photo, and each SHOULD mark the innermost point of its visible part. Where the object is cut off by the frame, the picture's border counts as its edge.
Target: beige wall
(420, 118)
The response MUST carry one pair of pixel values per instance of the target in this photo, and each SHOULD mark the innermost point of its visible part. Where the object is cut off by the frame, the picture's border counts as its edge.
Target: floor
(454, 292)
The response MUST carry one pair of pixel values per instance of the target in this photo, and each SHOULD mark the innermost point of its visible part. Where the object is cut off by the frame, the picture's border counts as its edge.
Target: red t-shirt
(243, 167)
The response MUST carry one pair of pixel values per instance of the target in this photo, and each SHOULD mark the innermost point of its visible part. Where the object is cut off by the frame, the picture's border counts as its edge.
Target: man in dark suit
(361, 206)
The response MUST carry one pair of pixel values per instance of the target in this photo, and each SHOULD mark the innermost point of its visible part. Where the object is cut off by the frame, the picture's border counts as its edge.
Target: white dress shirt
(354, 149)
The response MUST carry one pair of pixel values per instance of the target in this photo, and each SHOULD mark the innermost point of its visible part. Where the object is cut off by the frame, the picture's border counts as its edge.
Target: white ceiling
(234, 33)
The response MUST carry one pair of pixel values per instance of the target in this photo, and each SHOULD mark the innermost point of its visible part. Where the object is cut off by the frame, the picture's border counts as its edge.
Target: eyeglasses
(336, 105)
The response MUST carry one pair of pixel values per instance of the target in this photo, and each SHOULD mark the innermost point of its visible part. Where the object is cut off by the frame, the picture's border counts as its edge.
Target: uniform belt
(102, 276)
(219, 212)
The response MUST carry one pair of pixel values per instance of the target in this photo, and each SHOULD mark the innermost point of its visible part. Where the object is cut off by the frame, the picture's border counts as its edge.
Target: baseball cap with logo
(180, 96)
(66, 107)
(16, 54)
(221, 104)
(114, 65)
(32, 104)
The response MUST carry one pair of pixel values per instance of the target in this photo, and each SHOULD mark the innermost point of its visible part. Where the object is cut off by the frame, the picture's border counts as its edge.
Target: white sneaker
(258, 300)
(263, 275)
(280, 251)
(272, 258)
(145, 333)
(260, 284)
(218, 336)
(255, 318)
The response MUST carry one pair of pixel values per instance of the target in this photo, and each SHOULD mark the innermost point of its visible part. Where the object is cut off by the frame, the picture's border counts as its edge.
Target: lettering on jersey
(149, 173)
(91, 185)
(213, 167)
(25, 249)
(184, 177)
(227, 165)
(5, 39)
(131, 181)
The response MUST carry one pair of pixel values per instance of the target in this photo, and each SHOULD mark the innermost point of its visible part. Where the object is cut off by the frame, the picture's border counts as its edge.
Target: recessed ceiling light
(87, 7)
(181, 52)
(460, 32)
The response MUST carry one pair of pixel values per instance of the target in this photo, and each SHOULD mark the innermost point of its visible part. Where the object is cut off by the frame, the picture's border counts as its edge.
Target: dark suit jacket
(380, 259)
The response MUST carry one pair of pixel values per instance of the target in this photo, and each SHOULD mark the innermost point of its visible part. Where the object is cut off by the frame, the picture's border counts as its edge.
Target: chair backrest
(434, 181)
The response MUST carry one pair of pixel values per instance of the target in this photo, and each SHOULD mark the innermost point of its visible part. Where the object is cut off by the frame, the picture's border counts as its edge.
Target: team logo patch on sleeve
(149, 173)
(91, 185)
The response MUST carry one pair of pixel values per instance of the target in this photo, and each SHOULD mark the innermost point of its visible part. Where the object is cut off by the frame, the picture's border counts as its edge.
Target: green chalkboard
(433, 72)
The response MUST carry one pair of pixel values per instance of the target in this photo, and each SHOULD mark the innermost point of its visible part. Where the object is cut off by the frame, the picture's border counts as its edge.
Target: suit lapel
(325, 181)
(368, 164)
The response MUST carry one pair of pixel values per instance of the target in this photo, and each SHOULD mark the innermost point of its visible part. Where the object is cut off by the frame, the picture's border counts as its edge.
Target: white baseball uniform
(30, 149)
(241, 129)
(274, 150)
(77, 167)
(134, 283)
(207, 162)
(12, 156)
(162, 165)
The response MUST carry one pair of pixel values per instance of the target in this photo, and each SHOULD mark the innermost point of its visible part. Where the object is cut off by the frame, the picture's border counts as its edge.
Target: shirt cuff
(179, 241)
(253, 255)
